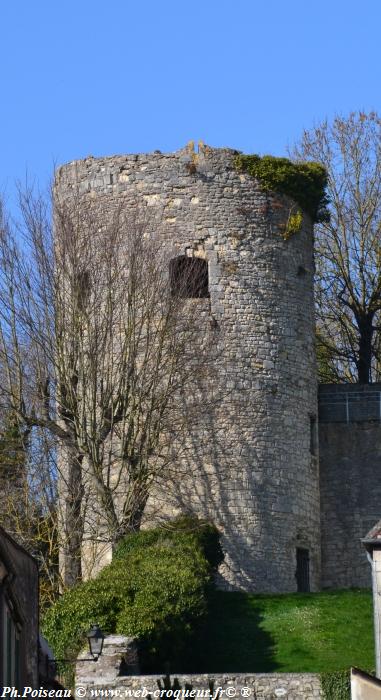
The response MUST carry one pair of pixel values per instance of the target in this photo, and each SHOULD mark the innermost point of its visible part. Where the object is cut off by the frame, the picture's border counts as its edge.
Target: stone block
(119, 658)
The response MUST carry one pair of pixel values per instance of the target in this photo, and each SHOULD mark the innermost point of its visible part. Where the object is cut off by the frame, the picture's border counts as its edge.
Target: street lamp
(95, 638)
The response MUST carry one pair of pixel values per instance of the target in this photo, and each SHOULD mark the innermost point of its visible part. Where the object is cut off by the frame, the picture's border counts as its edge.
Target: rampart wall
(350, 485)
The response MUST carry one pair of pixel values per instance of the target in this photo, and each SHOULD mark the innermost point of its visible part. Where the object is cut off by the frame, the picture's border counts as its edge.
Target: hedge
(155, 589)
(336, 685)
(186, 528)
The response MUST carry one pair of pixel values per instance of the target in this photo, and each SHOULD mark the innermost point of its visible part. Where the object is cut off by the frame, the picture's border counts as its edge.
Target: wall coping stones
(258, 686)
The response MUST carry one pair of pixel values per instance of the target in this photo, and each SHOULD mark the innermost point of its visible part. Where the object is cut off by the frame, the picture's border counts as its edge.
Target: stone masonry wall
(249, 463)
(350, 486)
(258, 686)
(115, 671)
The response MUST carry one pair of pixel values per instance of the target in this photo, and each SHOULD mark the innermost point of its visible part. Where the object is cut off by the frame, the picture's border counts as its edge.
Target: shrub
(154, 589)
(205, 535)
(336, 685)
(185, 528)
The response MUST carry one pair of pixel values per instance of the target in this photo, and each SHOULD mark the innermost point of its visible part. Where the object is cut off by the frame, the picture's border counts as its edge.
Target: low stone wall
(113, 676)
(257, 686)
(119, 658)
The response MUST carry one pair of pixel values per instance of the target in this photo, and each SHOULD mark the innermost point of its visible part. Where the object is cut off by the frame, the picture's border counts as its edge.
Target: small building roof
(374, 535)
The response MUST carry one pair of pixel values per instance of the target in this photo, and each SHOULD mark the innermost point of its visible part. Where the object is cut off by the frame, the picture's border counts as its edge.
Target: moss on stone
(294, 224)
(305, 183)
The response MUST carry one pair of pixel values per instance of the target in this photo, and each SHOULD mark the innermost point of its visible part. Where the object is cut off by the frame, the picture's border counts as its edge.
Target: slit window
(189, 277)
(313, 436)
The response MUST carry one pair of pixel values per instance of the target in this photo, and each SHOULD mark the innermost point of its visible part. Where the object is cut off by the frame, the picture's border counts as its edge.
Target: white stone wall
(248, 462)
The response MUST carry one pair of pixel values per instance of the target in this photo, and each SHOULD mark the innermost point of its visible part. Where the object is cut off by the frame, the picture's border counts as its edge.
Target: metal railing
(349, 406)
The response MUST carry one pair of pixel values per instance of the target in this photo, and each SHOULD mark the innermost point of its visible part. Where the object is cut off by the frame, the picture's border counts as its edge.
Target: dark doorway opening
(302, 570)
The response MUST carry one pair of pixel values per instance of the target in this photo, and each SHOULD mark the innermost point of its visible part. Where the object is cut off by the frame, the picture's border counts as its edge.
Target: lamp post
(372, 544)
(95, 638)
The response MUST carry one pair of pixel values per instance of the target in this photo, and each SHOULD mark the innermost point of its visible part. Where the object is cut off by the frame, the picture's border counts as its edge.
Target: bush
(205, 535)
(154, 589)
(185, 528)
(336, 685)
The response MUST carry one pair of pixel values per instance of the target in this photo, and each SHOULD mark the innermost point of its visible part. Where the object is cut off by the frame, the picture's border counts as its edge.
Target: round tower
(254, 462)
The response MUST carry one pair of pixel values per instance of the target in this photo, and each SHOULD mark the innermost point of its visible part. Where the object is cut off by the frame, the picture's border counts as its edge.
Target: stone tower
(256, 472)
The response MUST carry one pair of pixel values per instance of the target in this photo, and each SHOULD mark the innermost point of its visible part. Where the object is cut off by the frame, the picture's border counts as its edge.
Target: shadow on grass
(231, 638)
(298, 632)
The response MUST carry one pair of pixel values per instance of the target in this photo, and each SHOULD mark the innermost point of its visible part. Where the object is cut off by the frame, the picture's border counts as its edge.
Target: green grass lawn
(297, 632)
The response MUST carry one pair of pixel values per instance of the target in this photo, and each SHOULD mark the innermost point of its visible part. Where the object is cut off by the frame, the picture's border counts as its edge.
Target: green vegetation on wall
(201, 533)
(294, 224)
(155, 589)
(305, 183)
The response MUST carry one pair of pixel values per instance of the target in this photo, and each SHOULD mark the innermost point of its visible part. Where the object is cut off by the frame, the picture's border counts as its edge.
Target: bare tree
(348, 247)
(100, 348)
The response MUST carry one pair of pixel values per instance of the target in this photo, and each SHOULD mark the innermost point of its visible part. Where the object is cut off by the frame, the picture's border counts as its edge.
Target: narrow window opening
(313, 436)
(189, 277)
(302, 570)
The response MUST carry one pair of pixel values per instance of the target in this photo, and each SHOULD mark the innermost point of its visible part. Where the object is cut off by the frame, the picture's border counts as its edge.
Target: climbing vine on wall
(294, 224)
(303, 182)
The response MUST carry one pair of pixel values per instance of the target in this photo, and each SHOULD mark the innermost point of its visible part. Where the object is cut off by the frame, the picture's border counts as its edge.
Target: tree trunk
(364, 362)
(73, 520)
(132, 519)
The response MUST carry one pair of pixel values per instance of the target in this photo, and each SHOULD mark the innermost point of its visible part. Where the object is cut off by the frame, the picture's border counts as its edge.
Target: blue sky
(89, 77)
